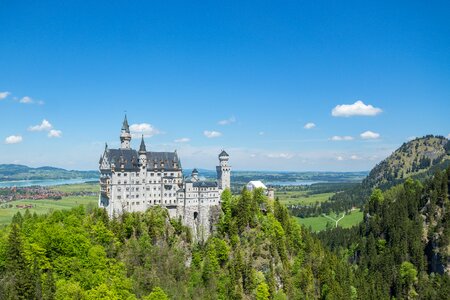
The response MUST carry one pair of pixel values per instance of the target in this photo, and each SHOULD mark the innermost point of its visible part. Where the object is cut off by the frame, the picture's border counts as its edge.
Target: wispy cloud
(4, 95)
(13, 139)
(26, 100)
(309, 125)
(137, 130)
(182, 140)
(338, 138)
(44, 126)
(356, 109)
(339, 158)
(448, 136)
(54, 133)
(211, 134)
(369, 135)
(280, 155)
(261, 133)
(227, 121)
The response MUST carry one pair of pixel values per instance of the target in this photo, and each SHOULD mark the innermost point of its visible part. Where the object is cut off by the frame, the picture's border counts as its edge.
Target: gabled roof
(129, 158)
(204, 184)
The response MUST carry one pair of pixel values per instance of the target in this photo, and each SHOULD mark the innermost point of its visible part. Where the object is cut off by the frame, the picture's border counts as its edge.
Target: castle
(132, 181)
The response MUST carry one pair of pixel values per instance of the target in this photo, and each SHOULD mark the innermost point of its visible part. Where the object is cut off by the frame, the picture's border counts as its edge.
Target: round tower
(224, 171)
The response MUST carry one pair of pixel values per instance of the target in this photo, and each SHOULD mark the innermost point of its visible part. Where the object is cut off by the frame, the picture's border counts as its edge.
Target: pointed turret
(125, 126)
(142, 148)
(125, 135)
(143, 154)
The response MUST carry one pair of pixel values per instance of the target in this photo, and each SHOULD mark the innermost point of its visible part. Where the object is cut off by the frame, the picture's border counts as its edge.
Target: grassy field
(43, 206)
(320, 223)
(302, 197)
(76, 188)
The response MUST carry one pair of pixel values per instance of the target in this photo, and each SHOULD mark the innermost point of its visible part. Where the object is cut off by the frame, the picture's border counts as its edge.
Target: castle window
(125, 182)
(118, 174)
(119, 189)
(119, 197)
(137, 203)
(127, 188)
(118, 182)
(152, 174)
(137, 189)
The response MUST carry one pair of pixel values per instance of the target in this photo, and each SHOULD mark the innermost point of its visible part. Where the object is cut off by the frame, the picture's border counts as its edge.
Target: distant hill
(417, 158)
(10, 172)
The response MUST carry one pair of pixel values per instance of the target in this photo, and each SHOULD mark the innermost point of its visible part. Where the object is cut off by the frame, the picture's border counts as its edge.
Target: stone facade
(133, 181)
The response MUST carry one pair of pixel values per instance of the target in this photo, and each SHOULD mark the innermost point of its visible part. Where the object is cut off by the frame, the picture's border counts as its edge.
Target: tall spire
(142, 148)
(125, 135)
(125, 126)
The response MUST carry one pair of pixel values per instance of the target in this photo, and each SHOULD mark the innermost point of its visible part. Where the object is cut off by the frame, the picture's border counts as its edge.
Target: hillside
(403, 244)
(414, 158)
(418, 159)
(254, 254)
(10, 172)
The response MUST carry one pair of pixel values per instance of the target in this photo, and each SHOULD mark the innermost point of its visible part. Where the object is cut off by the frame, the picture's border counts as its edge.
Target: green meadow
(8, 210)
(320, 223)
(302, 197)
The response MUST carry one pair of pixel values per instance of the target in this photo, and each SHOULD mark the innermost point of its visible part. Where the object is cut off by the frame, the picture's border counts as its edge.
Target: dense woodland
(258, 251)
(402, 247)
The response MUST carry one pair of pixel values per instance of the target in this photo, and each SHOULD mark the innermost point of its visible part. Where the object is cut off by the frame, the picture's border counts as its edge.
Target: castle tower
(125, 135)
(224, 171)
(143, 154)
(194, 175)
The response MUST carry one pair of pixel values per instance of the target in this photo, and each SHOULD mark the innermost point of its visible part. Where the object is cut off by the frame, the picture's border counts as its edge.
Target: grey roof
(204, 184)
(129, 158)
(125, 126)
(223, 153)
(142, 147)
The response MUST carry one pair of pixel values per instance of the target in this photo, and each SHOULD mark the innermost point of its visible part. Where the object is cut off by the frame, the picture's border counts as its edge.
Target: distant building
(133, 181)
(256, 184)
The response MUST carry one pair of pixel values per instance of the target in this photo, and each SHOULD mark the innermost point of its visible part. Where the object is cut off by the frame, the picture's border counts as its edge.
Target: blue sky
(263, 68)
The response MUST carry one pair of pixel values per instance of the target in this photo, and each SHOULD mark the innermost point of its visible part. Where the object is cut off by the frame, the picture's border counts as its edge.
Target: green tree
(262, 292)
(157, 294)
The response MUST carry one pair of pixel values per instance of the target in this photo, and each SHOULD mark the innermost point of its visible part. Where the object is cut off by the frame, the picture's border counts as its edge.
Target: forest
(257, 251)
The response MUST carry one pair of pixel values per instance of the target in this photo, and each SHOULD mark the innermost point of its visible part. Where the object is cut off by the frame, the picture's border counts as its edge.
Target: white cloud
(227, 121)
(211, 134)
(3, 95)
(356, 109)
(54, 133)
(137, 130)
(45, 125)
(410, 138)
(182, 140)
(280, 155)
(369, 135)
(309, 125)
(26, 100)
(339, 158)
(13, 139)
(261, 133)
(355, 157)
(338, 138)
(448, 136)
